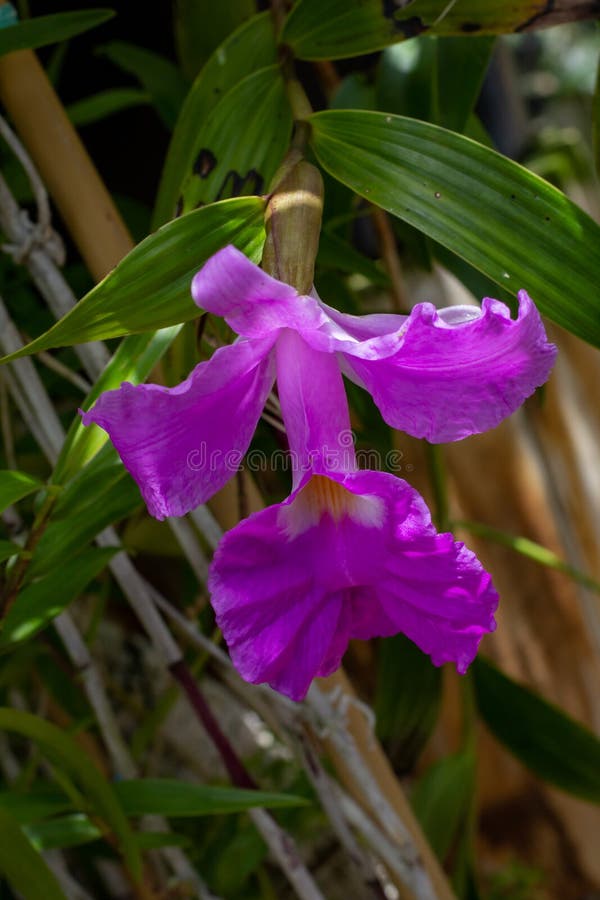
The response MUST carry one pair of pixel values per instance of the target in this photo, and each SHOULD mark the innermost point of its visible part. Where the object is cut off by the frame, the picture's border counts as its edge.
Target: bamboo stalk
(63, 162)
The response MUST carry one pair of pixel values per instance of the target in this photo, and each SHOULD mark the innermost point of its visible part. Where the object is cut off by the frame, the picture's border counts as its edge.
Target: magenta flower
(441, 375)
(350, 554)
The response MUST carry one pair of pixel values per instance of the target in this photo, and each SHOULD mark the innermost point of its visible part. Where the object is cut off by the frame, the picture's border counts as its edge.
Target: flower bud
(293, 222)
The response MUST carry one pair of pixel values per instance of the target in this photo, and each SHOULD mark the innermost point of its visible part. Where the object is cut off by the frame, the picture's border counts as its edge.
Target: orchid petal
(459, 371)
(314, 407)
(254, 305)
(350, 556)
(250, 301)
(182, 444)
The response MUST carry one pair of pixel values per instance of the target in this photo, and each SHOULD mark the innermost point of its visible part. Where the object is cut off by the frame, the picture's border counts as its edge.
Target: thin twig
(391, 259)
(46, 276)
(55, 365)
(329, 798)
(6, 425)
(208, 526)
(37, 186)
(187, 540)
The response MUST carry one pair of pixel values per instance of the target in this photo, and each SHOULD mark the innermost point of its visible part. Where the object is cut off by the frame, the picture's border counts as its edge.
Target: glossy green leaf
(42, 30)
(405, 716)
(14, 486)
(168, 797)
(442, 799)
(511, 225)
(105, 103)
(554, 746)
(99, 495)
(22, 866)
(199, 28)
(40, 602)
(159, 77)
(332, 29)
(68, 756)
(225, 166)
(150, 288)
(249, 48)
(133, 361)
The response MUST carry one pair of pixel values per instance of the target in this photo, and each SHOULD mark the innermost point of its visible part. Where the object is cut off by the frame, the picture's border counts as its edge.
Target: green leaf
(159, 77)
(133, 361)
(64, 831)
(40, 602)
(105, 103)
(168, 797)
(442, 800)
(22, 866)
(434, 79)
(406, 79)
(226, 166)
(154, 840)
(14, 486)
(8, 549)
(511, 225)
(596, 121)
(461, 64)
(38, 32)
(199, 31)
(249, 48)
(355, 91)
(68, 756)
(554, 746)
(99, 495)
(37, 803)
(405, 716)
(336, 253)
(150, 288)
(333, 29)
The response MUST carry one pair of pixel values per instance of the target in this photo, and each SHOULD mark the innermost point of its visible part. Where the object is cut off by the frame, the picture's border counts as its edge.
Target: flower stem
(15, 580)
(237, 771)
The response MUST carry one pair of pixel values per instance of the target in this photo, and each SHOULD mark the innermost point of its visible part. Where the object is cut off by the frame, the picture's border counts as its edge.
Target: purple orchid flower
(441, 375)
(350, 554)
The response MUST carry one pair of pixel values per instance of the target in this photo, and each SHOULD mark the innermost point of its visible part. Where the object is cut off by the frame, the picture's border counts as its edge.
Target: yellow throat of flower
(323, 496)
